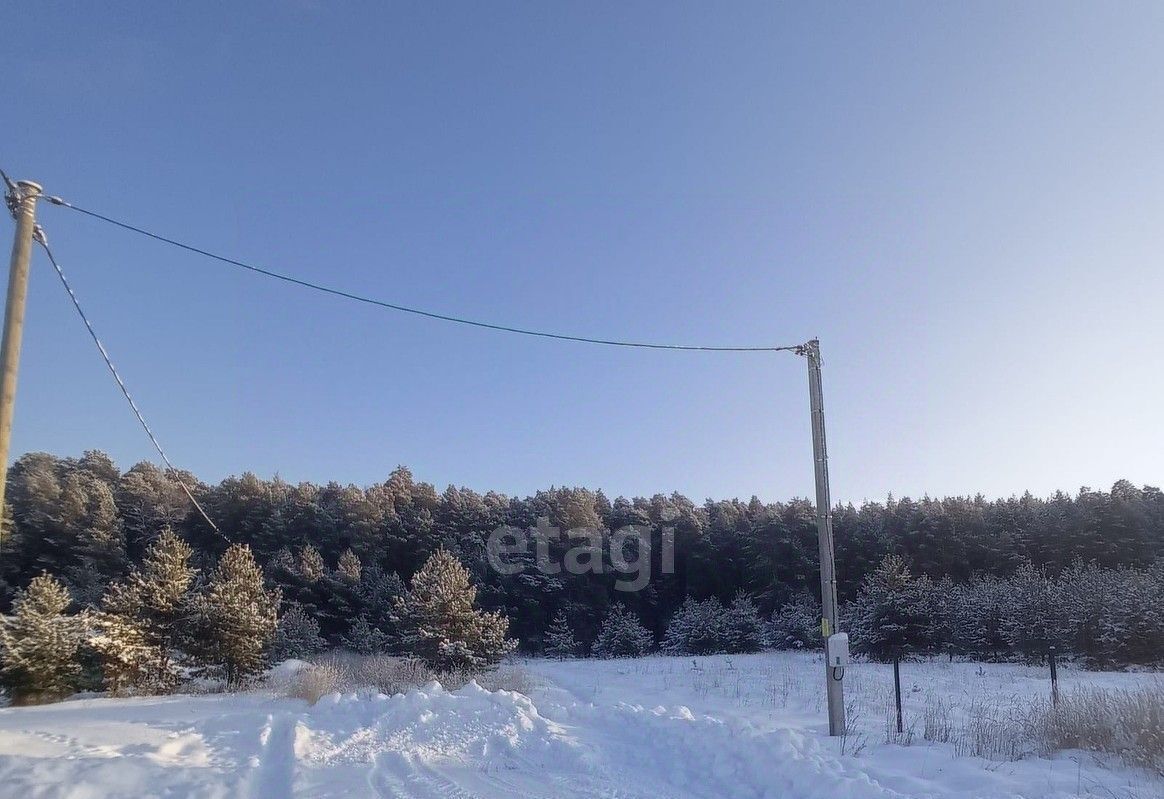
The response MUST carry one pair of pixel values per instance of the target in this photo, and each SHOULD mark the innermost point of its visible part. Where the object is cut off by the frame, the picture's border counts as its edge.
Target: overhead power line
(22, 206)
(174, 474)
(405, 309)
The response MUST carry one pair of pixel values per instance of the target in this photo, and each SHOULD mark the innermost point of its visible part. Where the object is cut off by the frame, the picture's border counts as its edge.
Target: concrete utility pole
(22, 203)
(824, 529)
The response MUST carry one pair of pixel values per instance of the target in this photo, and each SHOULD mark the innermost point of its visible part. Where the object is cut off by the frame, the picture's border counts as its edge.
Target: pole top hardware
(17, 192)
(812, 346)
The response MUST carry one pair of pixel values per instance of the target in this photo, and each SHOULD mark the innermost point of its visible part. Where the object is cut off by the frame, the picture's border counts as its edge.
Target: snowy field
(748, 726)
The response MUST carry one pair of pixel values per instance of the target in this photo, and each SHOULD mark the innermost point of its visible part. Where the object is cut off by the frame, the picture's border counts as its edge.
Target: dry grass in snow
(343, 673)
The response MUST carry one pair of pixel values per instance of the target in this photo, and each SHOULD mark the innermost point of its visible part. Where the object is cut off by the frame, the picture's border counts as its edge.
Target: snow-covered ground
(749, 726)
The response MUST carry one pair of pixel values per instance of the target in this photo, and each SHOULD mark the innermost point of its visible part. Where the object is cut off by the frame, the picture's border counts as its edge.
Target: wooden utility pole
(22, 202)
(834, 677)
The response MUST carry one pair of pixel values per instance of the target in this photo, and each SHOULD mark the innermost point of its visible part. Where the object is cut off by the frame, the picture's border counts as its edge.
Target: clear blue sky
(965, 202)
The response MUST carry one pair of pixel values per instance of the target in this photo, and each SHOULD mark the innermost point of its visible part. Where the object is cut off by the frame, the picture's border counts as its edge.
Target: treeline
(1103, 617)
(341, 553)
(163, 625)
(155, 627)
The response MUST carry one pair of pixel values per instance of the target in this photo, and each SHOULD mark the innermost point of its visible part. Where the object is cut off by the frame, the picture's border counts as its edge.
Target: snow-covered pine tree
(150, 500)
(1118, 614)
(559, 641)
(129, 658)
(349, 566)
(323, 594)
(744, 630)
(375, 596)
(697, 628)
(622, 635)
(39, 642)
(1085, 591)
(88, 510)
(281, 565)
(311, 565)
(941, 613)
(164, 582)
(889, 616)
(438, 623)
(378, 590)
(980, 609)
(236, 616)
(143, 619)
(927, 636)
(1131, 629)
(1149, 644)
(338, 602)
(296, 636)
(364, 638)
(1036, 621)
(677, 636)
(796, 624)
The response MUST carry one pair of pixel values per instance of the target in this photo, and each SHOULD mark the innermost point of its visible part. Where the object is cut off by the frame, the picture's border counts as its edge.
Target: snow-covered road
(657, 727)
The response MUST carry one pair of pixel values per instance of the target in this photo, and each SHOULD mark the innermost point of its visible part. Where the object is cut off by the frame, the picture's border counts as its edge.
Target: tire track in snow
(274, 772)
(675, 753)
(445, 785)
(383, 780)
(400, 776)
(396, 775)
